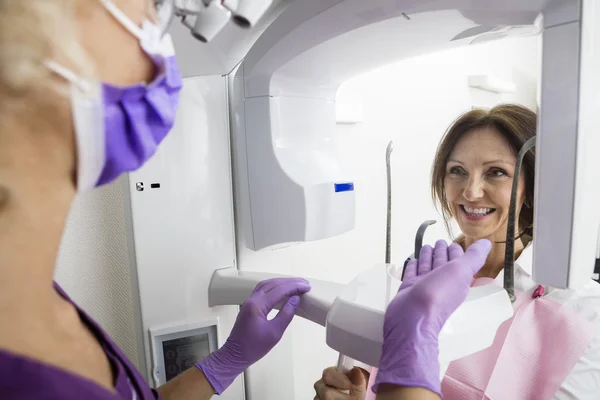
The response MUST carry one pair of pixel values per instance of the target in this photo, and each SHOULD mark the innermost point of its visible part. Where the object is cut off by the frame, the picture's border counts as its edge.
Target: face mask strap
(165, 14)
(68, 75)
(122, 18)
(509, 255)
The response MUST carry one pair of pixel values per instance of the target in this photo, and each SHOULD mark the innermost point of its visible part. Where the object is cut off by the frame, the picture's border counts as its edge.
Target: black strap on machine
(509, 255)
(418, 242)
(597, 270)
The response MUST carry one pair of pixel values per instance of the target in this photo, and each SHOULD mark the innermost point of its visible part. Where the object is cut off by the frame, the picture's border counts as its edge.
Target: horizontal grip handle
(229, 286)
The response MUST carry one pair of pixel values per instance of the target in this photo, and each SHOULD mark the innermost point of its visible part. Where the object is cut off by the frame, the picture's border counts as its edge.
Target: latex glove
(253, 335)
(333, 381)
(433, 288)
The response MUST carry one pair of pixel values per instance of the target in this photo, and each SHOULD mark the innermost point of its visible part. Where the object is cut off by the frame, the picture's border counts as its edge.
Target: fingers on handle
(319, 387)
(425, 260)
(410, 271)
(325, 392)
(285, 316)
(269, 284)
(337, 379)
(440, 254)
(455, 250)
(260, 285)
(359, 381)
(279, 289)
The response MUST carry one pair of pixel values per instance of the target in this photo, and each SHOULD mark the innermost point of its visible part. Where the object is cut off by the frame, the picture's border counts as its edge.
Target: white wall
(411, 103)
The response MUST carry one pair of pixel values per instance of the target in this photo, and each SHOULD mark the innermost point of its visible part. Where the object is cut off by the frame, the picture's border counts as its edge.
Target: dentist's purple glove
(253, 336)
(433, 288)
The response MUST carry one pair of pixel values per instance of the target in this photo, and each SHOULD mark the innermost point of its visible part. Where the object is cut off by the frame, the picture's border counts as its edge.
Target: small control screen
(183, 353)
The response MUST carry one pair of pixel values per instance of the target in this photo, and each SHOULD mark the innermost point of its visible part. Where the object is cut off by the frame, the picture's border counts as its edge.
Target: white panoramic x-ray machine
(291, 189)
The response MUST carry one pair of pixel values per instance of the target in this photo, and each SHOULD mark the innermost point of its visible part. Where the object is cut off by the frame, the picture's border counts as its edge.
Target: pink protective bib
(530, 358)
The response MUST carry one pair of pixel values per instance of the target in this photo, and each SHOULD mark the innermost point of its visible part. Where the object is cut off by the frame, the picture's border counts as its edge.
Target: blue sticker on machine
(344, 187)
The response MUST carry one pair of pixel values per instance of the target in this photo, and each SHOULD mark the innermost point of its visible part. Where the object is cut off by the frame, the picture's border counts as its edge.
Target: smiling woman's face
(478, 183)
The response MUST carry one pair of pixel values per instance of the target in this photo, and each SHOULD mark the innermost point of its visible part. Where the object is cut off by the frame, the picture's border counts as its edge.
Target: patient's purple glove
(253, 336)
(433, 288)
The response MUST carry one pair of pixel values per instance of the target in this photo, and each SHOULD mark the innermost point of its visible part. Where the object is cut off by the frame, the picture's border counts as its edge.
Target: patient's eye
(497, 172)
(456, 170)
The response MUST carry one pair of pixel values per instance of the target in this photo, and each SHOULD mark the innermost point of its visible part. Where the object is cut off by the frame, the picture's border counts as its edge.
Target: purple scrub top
(26, 379)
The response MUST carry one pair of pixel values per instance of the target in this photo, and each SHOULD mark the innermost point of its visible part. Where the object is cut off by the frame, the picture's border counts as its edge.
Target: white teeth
(479, 211)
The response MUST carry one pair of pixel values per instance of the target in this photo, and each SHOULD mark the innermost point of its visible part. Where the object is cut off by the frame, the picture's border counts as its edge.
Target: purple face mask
(119, 128)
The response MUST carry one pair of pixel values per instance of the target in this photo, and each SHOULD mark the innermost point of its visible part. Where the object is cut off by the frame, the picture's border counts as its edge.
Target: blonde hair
(32, 31)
